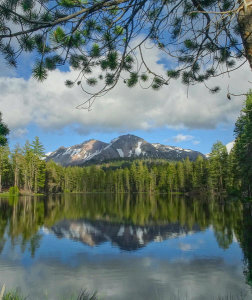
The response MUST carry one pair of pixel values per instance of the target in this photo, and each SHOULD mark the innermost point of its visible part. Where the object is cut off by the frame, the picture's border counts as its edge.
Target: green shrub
(14, 191)
(13, 296)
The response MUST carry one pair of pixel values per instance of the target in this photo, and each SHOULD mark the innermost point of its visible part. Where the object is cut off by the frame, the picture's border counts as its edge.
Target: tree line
(27, 169)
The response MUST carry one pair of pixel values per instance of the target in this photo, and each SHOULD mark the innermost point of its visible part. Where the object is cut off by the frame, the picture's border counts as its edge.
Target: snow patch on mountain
(138, 150)
(120, 152)
(94, 154)
(114, 140)
(109, 145)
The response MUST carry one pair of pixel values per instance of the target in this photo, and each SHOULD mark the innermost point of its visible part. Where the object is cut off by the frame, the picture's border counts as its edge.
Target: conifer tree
(218, 166)
(4, 165)
(243, 146)
(4, 131)
(17, 164)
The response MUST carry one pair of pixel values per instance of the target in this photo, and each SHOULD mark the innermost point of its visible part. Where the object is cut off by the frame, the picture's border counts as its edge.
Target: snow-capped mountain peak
(124, 146)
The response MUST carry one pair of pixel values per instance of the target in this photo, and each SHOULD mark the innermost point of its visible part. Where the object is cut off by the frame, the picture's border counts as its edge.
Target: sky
(189, 118)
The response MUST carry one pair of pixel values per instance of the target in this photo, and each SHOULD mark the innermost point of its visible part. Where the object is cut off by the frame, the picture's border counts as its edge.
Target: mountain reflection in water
(126, 237)
(201, 240)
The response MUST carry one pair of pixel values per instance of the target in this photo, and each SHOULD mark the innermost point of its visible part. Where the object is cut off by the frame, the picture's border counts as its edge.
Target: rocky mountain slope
(125, 146)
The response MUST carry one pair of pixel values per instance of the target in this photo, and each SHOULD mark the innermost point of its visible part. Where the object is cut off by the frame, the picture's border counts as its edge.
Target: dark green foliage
(109, 79)
(157, 83)
(243, 146)
(112, 60)
(135, 176)
(219, 166)
(91, 81)
(190, 44)
(69, 3)
(69, 83)
(39, 71)
(27, 5)
(144, 77)
(128, 63)
(4, 131)
(173, 74)
(28, 43)
(51, 62)
(24, 169)
(132, 81)
(75, 61)
(95, 51)
(9, 54)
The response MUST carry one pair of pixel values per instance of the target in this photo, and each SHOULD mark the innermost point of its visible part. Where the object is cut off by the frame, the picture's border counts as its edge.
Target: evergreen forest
(25, 169)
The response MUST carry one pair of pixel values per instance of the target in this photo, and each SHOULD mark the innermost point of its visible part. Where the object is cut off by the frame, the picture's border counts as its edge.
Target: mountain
(125, 146)
(77, 154)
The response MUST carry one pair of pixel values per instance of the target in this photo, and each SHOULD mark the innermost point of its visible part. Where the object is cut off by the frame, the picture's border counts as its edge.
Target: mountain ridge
(125, 146)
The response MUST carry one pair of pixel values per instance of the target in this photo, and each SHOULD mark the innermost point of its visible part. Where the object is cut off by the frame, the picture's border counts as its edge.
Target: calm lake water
(126, 247)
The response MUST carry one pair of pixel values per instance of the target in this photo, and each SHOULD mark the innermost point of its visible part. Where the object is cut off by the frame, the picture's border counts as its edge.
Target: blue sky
(193, 119)
(68, 137)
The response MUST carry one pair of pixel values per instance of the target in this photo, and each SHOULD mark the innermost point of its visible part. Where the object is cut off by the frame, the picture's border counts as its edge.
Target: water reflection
(126, 237)
(87, 239)
(136, 220)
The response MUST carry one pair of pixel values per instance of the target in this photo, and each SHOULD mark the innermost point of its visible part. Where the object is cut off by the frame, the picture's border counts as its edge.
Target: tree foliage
(243, 146)
(28, 171)
(108, 40)
(4, 131)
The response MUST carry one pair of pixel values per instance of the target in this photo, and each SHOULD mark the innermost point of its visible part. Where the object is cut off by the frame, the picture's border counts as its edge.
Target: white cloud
(51, 105)
(179, 138)
(182, 138)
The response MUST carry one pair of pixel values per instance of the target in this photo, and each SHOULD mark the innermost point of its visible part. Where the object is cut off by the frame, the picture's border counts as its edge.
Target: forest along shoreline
(24, 171)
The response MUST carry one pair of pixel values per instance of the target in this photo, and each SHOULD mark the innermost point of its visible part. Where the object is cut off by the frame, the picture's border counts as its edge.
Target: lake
(126, 247)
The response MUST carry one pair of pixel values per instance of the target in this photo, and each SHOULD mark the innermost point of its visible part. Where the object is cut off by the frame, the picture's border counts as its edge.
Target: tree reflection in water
(120, 214)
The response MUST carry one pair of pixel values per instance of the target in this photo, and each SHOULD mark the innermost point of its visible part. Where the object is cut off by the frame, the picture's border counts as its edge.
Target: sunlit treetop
(106, 40)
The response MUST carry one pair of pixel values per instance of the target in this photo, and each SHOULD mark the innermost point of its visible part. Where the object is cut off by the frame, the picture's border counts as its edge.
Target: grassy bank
(16, 295)
(85, 295)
